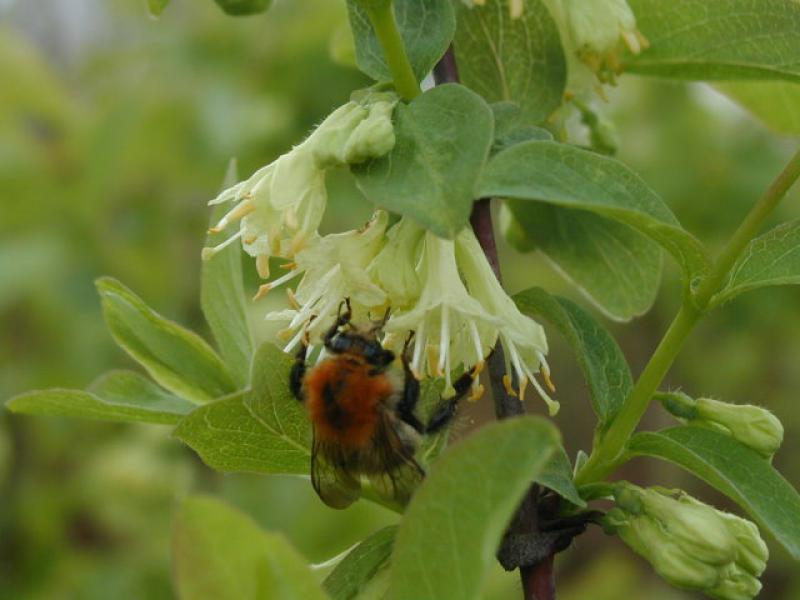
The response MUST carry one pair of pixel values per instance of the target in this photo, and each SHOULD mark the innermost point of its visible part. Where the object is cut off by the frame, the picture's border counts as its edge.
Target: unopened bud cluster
(749, 425)
(690, 544)
(442, 292)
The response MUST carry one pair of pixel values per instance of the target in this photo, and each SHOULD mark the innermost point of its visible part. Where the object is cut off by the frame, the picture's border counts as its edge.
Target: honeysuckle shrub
(512, 78)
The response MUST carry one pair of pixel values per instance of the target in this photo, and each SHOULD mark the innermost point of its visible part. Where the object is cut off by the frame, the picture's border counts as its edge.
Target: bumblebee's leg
(342, 318)
(447, 409)
(407, 404)
(298, 372)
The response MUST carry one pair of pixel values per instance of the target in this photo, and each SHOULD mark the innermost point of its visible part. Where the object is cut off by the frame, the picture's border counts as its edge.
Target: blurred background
(115, 130)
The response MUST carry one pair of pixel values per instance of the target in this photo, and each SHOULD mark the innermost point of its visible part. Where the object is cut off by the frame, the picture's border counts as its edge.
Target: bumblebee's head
(363, 344)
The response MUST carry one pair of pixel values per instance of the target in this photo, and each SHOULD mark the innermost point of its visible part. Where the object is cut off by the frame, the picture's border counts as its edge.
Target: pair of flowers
(442, 291)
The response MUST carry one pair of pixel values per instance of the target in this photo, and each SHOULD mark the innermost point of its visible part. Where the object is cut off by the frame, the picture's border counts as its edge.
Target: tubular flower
(395, 267)
(593, 32)
(280, 206)
(749, 425)
(689, 543)
(523, 338)
(334, 268)
(451, 328)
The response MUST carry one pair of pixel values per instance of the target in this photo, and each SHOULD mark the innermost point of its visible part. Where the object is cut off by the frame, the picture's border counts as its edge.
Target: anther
(508, 387)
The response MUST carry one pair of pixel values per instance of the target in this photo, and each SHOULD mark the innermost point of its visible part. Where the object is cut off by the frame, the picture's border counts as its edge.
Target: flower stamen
(264, 289)
(208, 253)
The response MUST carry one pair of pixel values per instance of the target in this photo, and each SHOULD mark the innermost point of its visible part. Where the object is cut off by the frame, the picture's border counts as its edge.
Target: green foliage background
(115, 129)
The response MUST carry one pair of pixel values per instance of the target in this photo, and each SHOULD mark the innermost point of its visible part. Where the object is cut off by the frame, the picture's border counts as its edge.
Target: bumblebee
(363, 414)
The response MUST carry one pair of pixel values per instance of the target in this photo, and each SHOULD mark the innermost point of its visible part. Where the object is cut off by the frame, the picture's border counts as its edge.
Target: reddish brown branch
(538, 582)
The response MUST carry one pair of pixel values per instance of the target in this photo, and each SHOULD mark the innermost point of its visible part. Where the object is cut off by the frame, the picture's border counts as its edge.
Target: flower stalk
(381, 15)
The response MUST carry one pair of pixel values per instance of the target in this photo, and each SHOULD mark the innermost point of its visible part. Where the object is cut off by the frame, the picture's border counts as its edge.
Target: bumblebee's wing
(401, 474)
(335, 485)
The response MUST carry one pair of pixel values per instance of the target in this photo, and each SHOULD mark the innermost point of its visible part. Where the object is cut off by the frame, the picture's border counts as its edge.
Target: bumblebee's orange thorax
(343, 396)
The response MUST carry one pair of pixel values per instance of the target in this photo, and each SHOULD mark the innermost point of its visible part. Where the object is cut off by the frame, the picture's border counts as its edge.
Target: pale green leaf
(719, 40)
(352, 577)
(128, 388)
(448, 537)
(426, 26)
(262, 430)
(770, 259)
(604, 367)
(615, 267)
(242, 8)
(178, 359)
(222, 297)
(116, 396)
(735, 470)
(776, 103)
(543, 171)
(219, 553)
(557, 476)
(512, 59)
(443, 140)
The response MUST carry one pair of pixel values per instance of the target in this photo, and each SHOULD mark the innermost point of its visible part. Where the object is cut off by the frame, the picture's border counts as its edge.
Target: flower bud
(374, 136)
(751, 551)
(750, 425)
(669, 558)
(735, 584)
(695, 526)
(355, 132)
(689, 543)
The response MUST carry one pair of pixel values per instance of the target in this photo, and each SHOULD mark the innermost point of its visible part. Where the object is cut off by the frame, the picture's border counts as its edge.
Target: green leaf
(156, 7)
(426, 26)
(272, 403)
(512, 59)
(448, 537)
(615, 267)
(770, 259)
(175, 357)
(510, 127)
(557, 475)
(242, 8)
(262, 430)
(443, 140)
(723, 39)
(738, 472)
(604, 367)
(222, 297)
(354, 574)
(219, 553)
(567, 176)
(776, 103)
(116, 396)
